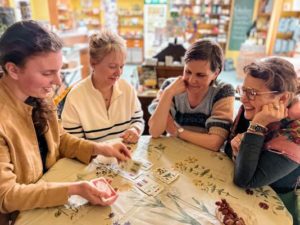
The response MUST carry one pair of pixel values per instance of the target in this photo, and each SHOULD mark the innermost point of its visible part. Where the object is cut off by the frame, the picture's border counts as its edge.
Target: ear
(285, 98)
(216, 74)
(93, 63)
(12, 70)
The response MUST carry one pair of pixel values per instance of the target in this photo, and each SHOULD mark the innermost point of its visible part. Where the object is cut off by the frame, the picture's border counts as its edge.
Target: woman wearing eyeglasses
(265, 138)
(195, 107)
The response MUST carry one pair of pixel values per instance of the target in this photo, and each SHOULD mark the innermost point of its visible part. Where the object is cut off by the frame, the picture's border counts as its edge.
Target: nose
(192, 79)
(244, 98)
(57, 78)
(119, 71)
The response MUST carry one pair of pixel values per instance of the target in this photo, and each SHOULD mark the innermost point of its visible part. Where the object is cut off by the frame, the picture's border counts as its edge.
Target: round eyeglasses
(251, 93)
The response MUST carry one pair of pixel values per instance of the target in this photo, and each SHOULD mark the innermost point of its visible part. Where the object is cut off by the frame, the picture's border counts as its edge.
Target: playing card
(130, 175)
(130, 169)
(146, 165)
(148, 186)
(165, 175)
(130, 166)
(103, 186)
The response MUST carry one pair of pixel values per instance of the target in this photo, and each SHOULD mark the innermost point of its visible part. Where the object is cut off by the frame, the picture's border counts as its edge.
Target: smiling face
(109, 69)
(252, 107)
(37, 77)
(198, 76)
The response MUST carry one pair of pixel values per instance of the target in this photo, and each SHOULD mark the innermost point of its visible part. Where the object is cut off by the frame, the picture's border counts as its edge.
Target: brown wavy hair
(18, 43)
(279, 74)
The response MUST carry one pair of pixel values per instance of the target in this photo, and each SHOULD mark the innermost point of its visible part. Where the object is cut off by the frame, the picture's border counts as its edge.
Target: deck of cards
(166, 175)
(103, 186)
(148, 186)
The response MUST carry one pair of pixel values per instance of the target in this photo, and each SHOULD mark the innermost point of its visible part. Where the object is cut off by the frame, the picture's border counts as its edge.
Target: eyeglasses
(251, 93)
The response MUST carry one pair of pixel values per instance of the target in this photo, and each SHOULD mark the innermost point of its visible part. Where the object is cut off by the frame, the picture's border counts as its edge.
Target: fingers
(130, 136)
(123, 152)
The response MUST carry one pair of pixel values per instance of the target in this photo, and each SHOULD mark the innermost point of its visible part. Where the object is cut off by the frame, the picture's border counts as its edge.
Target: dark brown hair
(206, 50)
(278, 73)
(18, 43)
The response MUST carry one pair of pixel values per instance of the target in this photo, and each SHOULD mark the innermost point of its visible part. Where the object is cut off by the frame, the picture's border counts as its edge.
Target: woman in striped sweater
(195, 107)
(102, 106)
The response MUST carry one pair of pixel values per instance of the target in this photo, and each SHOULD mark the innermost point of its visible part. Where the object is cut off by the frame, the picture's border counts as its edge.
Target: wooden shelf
(139, 26)
(267, 15)
(284, 35)
(290, 14)
(137, 15)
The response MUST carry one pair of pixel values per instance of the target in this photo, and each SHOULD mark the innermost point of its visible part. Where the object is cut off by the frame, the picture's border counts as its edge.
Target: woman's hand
(90, 192)
(270, 113)
(131, 135)
(177, 87)
(235, 144)
(117, 150)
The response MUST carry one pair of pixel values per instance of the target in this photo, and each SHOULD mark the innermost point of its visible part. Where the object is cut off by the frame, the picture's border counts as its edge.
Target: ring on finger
(276, 107)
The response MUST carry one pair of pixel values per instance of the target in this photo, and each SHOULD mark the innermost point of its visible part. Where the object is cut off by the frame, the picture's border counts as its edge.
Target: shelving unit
(286, 42)
(200, 19)
(61, 15)
(131, 28)
(89, 12)
(276, 25)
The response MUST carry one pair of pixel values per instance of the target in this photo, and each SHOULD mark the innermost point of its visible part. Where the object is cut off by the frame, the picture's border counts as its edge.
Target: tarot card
(130, 169)
(165, 175)
(146, 165)
(130, 175)
(103, 186)
(148, 186)
(130, 166)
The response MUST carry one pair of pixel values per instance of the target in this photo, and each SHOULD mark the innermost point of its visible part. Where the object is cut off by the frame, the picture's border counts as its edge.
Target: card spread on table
(130, 166)
(148, 186)
(130, 169)
(166, 175)
(146, 165)
(103, 186)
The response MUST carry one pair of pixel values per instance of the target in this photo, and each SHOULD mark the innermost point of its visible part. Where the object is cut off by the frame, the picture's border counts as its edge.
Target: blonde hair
(103, 43)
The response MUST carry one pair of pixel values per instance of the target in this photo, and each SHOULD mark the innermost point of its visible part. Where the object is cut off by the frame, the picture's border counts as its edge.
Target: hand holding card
(103, 186)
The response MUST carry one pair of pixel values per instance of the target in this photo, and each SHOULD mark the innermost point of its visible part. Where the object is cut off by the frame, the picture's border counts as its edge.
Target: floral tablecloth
(205, 177)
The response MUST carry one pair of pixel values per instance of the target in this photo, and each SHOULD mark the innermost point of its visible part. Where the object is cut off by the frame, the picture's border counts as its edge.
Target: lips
(48, 89)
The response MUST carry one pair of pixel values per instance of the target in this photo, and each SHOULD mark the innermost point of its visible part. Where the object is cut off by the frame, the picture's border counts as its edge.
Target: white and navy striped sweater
(86, 116)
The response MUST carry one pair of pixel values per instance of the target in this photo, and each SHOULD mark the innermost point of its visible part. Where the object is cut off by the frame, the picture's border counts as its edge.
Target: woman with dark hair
(195, 107)
(265, 138)
(31, 138)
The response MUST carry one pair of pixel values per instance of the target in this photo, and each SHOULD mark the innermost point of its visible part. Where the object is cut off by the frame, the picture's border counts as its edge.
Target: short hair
(278, 73)
(26, 39)
(105, 42)
(207, 50)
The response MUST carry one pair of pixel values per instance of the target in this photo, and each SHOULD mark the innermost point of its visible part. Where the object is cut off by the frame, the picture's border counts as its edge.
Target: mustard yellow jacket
(20, 160)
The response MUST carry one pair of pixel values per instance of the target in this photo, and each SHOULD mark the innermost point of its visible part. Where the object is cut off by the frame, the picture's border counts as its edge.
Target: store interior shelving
(88, 13)
(200, 19)
(131, 28)
(61, 14)
(277, 27)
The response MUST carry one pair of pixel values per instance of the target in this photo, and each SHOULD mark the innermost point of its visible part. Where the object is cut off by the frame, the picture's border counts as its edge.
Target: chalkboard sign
(241, 22)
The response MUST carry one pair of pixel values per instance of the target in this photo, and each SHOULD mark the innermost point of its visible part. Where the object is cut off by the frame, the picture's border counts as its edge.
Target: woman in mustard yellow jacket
(31, 137)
